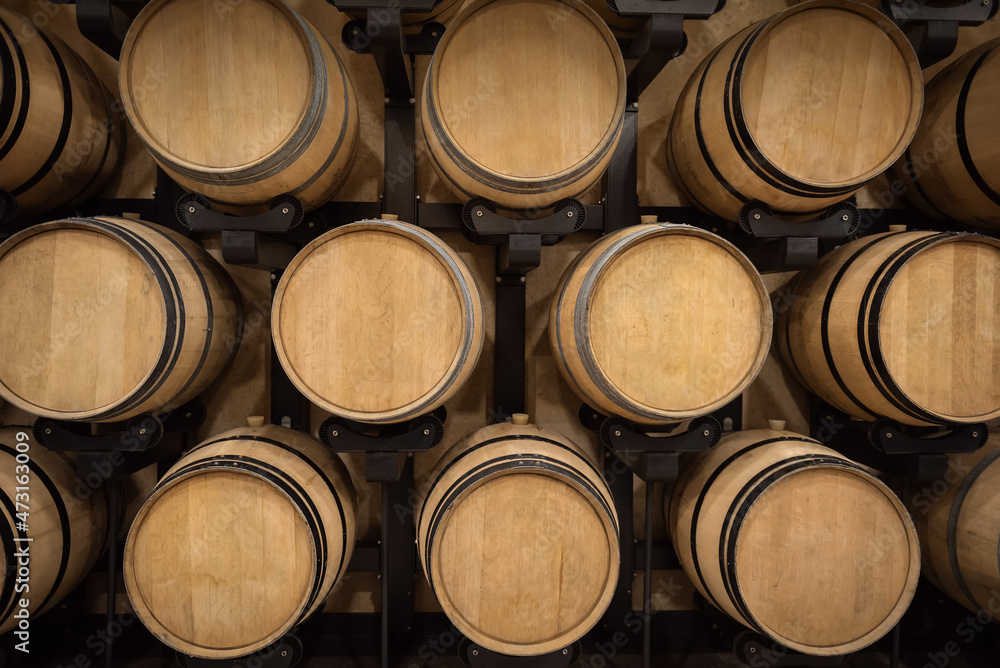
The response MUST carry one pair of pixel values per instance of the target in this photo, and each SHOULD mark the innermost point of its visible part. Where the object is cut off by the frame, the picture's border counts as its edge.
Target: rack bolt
(565, 652)
(355, 31)
(975, 434)
(142, 431)
(335, 433)
(434, 33)
(273, 276)
(387, 100)
(705, 433)
(756, 216)
(635, 105)
(888, 434)
(753, 649)
(569, 214)
(412, 100)
(475, 652)
(617, 433)
(284, 652)
(523, 279)
(426, 432)
(498, 279)
(284, 210)
(312, 224)
(188, 414)
(479, 212)
(48, 431)
(191, 209)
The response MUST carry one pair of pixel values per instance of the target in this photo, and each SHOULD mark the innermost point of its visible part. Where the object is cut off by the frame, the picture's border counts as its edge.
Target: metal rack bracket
(479, 657)
(933, 31)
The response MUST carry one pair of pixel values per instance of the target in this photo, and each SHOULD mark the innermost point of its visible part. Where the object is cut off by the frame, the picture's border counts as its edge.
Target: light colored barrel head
(82, 317)
(210, 550)
(522, 559)
(939, 329)
(678, 322)
(512, 116)
(826, 558)
(217, 85)
(828, 95)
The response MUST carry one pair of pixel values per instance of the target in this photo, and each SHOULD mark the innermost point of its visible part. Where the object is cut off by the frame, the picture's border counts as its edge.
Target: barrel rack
(270, 240)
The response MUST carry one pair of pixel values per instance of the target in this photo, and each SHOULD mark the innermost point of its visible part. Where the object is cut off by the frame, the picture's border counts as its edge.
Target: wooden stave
(950, 187)
(952, 526)
(512, 192)
(220, 296)
(77, 531)
(503, 438)
(312, 456)
(861, 395)
(312, 168)
(87, 132)
(460, 369)
(745, 178)
(566, 347)
(711, 468)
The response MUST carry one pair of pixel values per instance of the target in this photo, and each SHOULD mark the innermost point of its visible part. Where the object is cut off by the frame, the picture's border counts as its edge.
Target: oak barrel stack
(60, 134)
(377, 321)
(243, 538)
(798, 111)
(104, 319)
(241, 102)
(518, 537)
(499, 126)
(958, 520)
(951, 170)
(793, 540)
(66, 526)
(660, 323)
(901, 325)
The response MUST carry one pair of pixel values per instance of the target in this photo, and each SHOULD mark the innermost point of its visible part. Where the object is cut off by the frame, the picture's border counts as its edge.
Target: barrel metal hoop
(13, 83)
(963, 140)
(954, 514)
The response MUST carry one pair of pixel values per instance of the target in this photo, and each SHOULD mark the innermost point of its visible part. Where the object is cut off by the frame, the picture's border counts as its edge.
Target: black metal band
(10, 88)
(963, 141)
(952, 530)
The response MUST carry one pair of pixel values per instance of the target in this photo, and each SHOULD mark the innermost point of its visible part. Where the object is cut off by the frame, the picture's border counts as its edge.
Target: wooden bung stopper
(255, 421)
(786, 536)
(776, 425)
(520, 419)
(647, 219)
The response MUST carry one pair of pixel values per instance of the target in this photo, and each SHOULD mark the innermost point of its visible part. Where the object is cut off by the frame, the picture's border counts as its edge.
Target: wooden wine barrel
(798, 111)
(951, 170)
(660, 323)
(518, 537)
(66, 527)
(60, 141)
(104, 319)
(377, 321)
(499, 126)
(414, 22)
(902, 325)
(958, 521)
(241, 102)
(242, 539)
(794, 541)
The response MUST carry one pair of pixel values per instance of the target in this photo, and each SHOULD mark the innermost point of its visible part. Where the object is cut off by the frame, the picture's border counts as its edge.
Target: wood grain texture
(60, 141)
(820, 98)
(499, 126)
(951, 170)
(518, 537)
(660, 323)
(902, 325)
(377, 321)
(958, 520)
(67, 526)
(108, 318)
(815, 553)
(249, 101)
(242, 539)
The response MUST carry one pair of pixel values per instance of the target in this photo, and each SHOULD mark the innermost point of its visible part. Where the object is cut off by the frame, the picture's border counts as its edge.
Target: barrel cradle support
(388, 453)
(933, 31)
(654, 459)
(108, 459)
(778, 245)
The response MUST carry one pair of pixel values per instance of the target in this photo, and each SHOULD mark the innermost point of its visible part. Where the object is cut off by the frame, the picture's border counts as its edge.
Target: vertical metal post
(397, 559)
(509, 348)
(647, 578)
(400, 168)
(621, 201)
(112, 489)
